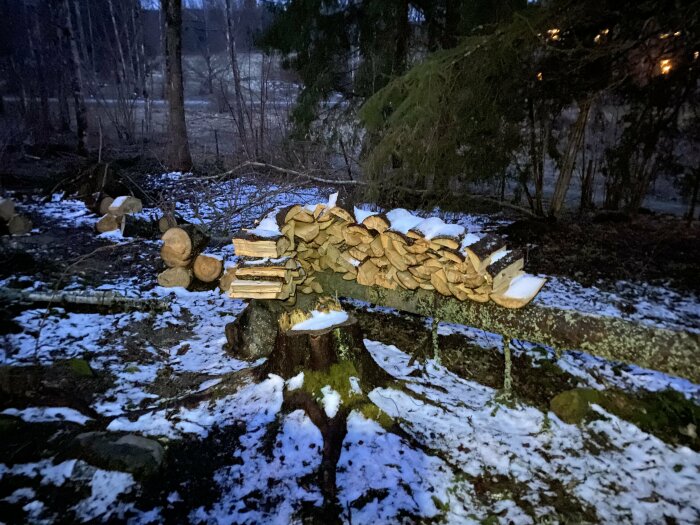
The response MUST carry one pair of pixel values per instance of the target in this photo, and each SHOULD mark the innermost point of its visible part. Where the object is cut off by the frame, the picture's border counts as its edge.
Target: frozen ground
(457, 455)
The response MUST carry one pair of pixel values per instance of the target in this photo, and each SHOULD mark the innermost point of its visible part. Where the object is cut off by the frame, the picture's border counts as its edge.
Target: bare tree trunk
(81, 31)
(76, 80)
(141, 55)
(586, 202)
(403, 31)
(178, 153)
(92, 44)
(536, 159)
(567, 169)
(694, 197)
(22, 87)
(34, 40)
(122, 62)
(233, 56)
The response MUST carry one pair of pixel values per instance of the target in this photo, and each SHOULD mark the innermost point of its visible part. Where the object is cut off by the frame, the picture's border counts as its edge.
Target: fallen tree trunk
(100, 298)
(670, 351)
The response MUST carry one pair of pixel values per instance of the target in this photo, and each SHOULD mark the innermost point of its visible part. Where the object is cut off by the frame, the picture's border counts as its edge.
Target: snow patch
(331, 401)
(47, 414)
(321, 320)
(296, 382)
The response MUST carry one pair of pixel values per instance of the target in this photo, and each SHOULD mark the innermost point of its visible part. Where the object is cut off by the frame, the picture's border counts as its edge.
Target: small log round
(173, 277)
(19, 224)
(166, 222)
(173, 259)
(182, 244)
(207, 268)
(7, 209)
(105, 203)
(107, 223)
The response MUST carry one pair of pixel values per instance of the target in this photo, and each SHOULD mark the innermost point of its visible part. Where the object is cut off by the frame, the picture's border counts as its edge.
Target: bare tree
(178, 152)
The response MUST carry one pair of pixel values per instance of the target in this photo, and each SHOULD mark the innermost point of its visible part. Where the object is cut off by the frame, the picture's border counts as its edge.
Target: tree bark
(178, 151)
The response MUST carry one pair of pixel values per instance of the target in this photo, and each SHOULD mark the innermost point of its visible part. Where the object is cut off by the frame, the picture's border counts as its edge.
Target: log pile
(182, 254)
(115, 212)
(11, 222)
(396, 250)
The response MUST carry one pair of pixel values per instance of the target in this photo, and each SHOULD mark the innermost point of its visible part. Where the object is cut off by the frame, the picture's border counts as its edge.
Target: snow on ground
(401, 478)
(455, 436)
(629, 477)
(44, 414)
(655, 305)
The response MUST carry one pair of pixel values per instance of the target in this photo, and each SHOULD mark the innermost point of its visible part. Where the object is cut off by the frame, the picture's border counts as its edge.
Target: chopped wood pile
(392, 250)
(11, 222)
(115, 212)
(182, 253)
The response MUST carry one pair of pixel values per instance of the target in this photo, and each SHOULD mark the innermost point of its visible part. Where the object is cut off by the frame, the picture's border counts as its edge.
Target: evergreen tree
(497, 101)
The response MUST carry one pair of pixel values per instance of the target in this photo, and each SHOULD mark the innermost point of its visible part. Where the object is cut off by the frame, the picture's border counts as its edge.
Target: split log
(124, 205)
(7, 209)
(107, 223)
(181, 244)
(173, 277)
(207, 268)
(98, 298)
(671, 351)
(19, 224)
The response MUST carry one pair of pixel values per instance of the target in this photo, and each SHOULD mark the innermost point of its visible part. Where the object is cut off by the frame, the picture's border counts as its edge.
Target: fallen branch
(104, 298)
(670, 351)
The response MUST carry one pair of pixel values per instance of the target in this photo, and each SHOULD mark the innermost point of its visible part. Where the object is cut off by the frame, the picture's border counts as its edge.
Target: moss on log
(670, 351)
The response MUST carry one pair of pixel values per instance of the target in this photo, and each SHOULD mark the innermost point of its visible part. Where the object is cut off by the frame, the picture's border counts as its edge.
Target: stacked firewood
(396, 250)
(12, 222)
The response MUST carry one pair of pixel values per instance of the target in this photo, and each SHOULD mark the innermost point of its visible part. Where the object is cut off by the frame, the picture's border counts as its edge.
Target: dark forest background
(551, 107)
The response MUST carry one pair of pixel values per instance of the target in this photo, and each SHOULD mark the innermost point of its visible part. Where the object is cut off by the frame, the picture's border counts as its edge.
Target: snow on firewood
(436, 227)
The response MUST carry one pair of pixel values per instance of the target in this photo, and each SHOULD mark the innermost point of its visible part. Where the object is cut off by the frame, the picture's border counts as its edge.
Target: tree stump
(333, 356)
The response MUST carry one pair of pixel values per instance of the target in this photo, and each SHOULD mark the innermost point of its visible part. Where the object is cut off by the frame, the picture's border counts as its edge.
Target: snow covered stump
(328, 371)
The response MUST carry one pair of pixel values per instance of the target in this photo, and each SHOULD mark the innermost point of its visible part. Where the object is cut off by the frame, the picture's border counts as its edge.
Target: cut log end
(19, 225)
(174, 277)
(207, 268)
(105, 203)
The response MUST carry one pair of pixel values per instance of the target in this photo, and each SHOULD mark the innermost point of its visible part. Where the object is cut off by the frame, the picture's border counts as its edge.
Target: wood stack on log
(12, 222)
(396, 250)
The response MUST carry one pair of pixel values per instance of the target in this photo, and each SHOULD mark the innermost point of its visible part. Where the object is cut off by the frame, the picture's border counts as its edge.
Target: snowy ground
(461, 455)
